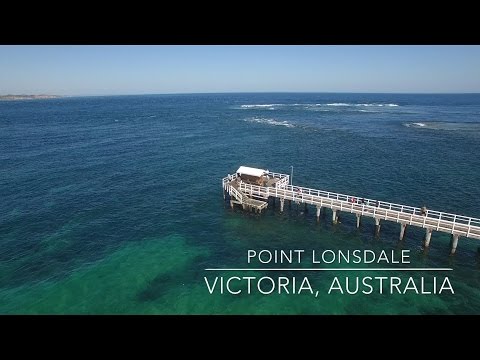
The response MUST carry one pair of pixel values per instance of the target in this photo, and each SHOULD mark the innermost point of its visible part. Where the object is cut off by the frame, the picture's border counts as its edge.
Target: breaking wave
(416, 124)
(449, 126)
(270, 121)
(379, 105)
(260, 106)
(310, 106)
(334, 104)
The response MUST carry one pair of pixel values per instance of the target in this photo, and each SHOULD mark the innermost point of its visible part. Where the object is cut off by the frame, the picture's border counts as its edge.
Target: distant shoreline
(27, 97)
(43, 96)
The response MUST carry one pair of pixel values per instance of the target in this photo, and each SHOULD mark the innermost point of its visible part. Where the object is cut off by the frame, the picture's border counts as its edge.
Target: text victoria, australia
(342, 270)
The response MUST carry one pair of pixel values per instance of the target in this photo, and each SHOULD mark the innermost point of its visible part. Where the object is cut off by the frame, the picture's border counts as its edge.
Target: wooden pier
(275, 185)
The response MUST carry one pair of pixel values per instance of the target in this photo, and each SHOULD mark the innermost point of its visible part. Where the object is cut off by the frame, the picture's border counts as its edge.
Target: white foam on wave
(336, 104)
(269, 121)
(446, 126)
(415, 124)
(362, 104)
(310, 106)
(377, 105)
(260, 106)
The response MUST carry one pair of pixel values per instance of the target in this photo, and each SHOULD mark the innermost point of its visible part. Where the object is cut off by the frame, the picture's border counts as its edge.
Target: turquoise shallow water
(114, 204)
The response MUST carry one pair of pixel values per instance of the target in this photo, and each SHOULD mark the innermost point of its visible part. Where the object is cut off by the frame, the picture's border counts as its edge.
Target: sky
(124, 70)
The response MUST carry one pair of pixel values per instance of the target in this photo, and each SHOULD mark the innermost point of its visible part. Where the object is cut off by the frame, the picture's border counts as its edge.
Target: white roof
(245, 170)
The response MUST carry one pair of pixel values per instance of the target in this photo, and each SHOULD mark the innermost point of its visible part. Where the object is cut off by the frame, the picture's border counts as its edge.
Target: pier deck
(431, 220)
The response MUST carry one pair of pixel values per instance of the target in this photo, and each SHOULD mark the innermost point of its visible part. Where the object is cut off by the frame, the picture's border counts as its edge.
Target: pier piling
(428, 236)
(282, 203)
(377, 226)
(319, 210)
(358, 220)
(334, 216)
(403, 226)
(454, 243)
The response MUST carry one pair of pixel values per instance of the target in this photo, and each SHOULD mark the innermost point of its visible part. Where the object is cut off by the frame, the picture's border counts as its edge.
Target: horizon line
(244, 92)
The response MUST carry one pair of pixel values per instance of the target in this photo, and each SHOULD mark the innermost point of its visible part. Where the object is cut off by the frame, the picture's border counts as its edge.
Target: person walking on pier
(423, 210)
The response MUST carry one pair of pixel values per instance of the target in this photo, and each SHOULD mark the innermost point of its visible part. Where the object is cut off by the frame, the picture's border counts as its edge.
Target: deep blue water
(114, 204)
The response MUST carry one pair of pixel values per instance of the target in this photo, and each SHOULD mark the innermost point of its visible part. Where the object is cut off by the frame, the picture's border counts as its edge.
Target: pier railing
(466, 226)
(236, 194)
(227, 179)
(230, 189)
(283, 180)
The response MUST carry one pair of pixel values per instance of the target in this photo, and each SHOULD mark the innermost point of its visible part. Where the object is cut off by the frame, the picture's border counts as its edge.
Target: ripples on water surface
(114, 204)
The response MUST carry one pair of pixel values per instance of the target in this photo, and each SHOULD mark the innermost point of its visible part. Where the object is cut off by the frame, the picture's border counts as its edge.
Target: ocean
(113, 205)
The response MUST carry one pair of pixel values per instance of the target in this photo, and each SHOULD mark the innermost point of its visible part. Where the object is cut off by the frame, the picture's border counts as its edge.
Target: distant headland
(28, 97)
